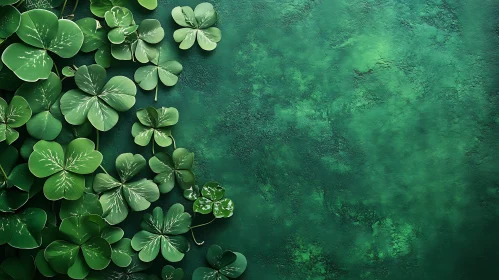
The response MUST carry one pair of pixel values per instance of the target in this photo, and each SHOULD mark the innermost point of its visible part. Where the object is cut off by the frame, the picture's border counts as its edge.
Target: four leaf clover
(97, 100)
(41, 31)
(65, 169)
(224, 265)
(154, 123)
(120, 195)
(161, 231)
(42, 97)
(198, 24)
(120, 20)
(13, 115)
(171, 169)
(212, 200)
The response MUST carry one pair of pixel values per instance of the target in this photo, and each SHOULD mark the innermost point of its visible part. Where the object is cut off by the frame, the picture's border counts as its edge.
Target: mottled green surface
(358, 138)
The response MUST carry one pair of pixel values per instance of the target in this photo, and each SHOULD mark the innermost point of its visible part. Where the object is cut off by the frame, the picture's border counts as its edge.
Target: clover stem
(153, 148)
(174, 144)
(76, 6)
(3, 172)
(97, 139)
(103, 169)
(194, 238)
(203, 224)
(63, 7)
(156, 95)
(19, 4)
(57, 70)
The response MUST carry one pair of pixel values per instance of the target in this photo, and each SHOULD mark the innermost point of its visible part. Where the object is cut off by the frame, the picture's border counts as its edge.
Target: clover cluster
(59, 217)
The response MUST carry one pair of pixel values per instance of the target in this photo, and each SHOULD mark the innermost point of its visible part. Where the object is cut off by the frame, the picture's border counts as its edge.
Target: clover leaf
(121, 22)
(10, 19)
(42, 97)
(149, 4)
(176, 168)
(138, 44)
(13, 115)
(154, 123)
(135, 271)
(167, 71)
(23, 230)
(121, 248)
(170, 273)
(97, 100)
(41, 31)
(198, 24)
(94, 35)
(65, 169)
(100, 7)
(15, 182)
(82, 248)
(213, 200)
(14, 268)
(117, 196)
(223, 264)
(86, 205)
(161, 231)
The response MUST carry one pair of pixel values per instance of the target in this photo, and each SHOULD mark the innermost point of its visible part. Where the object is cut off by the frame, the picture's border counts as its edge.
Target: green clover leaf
(10, 19)
(42, 97)
(223, 264)
(149, 4)
(134, 271)
(138, 43)
(96, 100)
(121, 22)
(166, 70)
(121, 248)
(161, 231)
(82, 248)
(117, 196)
(176, 168)
(13, 115)
(100, 7)
(41, 31)
(213, 200)
(23, 230)
(198, 24)
(94, 35)
(65, 169)
(154, 123)
(170, 273)
(86, 205)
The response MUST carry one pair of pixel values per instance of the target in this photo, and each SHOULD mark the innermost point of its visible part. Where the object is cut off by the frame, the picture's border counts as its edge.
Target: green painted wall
(358, 138)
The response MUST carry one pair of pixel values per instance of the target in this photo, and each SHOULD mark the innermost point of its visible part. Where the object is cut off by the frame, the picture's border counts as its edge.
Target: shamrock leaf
(135, 271)
(224, 264)
(120, 20)
(42, 97)
(121, 248)
(97, 100)
(198, 24)
(117, 196)
(82, 248)
(154, 123)
(94, 36)
(167, 71)
(14, 268)
(103, 56)
(13, 115)
(138, 44)
(149, 4)
(23, 230)
(171, 169)
(171, 273)
(65, 169)
(86, 205)
(41, 31)
(15, 182)
(100, 7)
(162, 231)
(10, 19)
(213, 200)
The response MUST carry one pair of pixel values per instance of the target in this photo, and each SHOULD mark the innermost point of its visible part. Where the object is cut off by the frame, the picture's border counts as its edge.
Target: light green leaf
(176, 220)
(205, 15)
(100, 7)
(173, 248)
(183, 159)
(203, 205)
(97, 253)
(28, 226)
(118, 17)
(91, 79)
(128, 165)
(142, 134)
(68, 40)
(237, 268)
(61, 255)
(81, 157)
(38, 28)
(186, 37)
(114, 205)
(18, 112)
(149, 4)
(28, 63)
(184, 16)
(65, 185)
(148, 244)
(223, 208)
(122, 253)
(208, 38)
(86, 205)
(75, 106)
(47, 159)
(112, 234)
(103, 56)
(104, 182)
(150, 30)
(140, 194)
(147, 77)
(41, 95)
(44, 126)
(119, 93)
(93, 33)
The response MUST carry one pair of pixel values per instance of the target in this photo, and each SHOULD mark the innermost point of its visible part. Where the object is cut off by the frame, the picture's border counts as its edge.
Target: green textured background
(358, 138)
